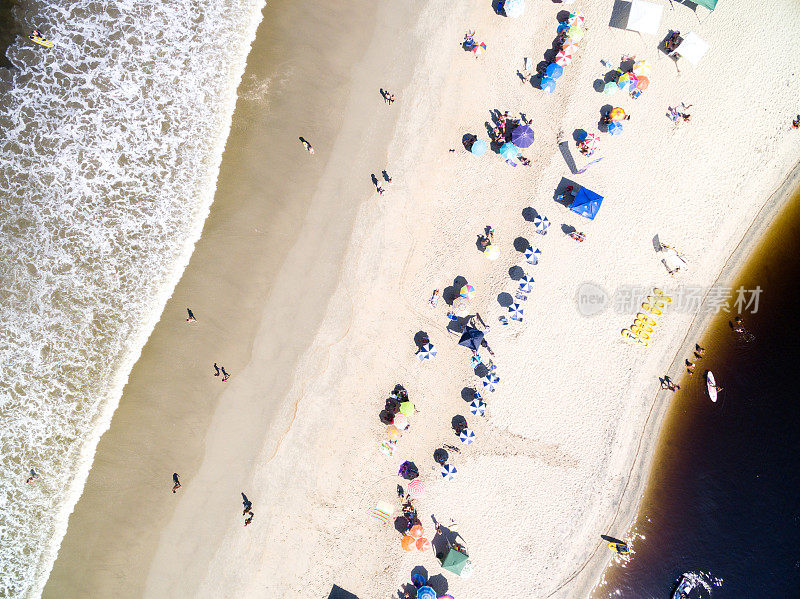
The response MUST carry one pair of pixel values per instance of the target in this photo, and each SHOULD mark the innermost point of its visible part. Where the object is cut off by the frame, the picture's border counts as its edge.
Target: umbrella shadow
(440, 456)
(521, 244)
(565, 152)
(561, 194)
(457, 326)
(468, 140)
(611, 539)
(657, 243)
(620, 14)
(505, 299)
(338, 592)
(516, 273)
(604, 110)
(529, 214)
(458, 423)
(468, 394)
(567, 229)
(450, 293)
(421, 339)
(481, 370)
(443, 539)
(439, 584)
(579, 135)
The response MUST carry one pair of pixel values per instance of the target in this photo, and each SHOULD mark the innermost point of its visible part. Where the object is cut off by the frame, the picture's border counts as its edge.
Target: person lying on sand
(577, 236)
(524, 160)
(796, 122)
(434, 298)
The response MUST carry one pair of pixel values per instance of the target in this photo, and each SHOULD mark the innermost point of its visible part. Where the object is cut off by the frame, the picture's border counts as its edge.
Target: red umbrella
(563, 58)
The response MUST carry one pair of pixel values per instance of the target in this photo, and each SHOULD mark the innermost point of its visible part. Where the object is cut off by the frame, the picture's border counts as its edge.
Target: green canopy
(709, 4)
(455, 561)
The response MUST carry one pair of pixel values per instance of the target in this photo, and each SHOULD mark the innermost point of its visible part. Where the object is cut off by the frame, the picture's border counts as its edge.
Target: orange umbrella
(393, 432)
(617, 114)
(423, 544)
(408, 543)
(417, 531)
(643, 83)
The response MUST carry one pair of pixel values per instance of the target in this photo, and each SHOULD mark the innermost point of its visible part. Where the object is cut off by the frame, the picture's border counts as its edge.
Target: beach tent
(709, 4)
(644, 17)
(586, 203)
(471, 338)
(455, 561)
(514, 8)
(692, 48)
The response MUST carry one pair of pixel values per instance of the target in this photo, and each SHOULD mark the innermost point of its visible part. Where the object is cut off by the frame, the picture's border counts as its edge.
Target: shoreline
(590, 574)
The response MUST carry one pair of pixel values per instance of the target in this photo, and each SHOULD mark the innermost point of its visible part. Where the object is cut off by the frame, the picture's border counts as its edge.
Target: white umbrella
(461, 306)
(526, 284)
(541, 223)
(532, 255)
(514, 8)
(448, 472)
(692, 48)
(515, 310)
(467, 436)
(426, 352)
(644, 17)
(489, 382)
(478, 407)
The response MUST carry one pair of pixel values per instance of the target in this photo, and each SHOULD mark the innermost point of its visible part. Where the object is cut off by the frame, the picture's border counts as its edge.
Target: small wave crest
(110, 148)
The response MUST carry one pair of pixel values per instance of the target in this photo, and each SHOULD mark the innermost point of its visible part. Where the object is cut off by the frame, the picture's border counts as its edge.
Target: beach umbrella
(426, 592)
(627, 81)
(642, 83)
(615, 128)
(564, 57)
(576, 18)
(393, 432)
(515, 310)
(479, 49)
(611, 88)
(591, 142)
(489, 382)
(586, 203)
(478, 147)
(416, 531)
(467, 291)
(408, 543)
(467, 436)
(617, 114)
(569, 46)
(400, 422)
(492, 252)
(416, 489)
(471, 338)
(426, 352)
(547, 84)
(540, 223)
(461, 306)
(692, 48)
(509, 151)
(383, 512)
(478, 407)
(642, 67)
(575, 33)
(423, 544)
(513, 9)
(522, 136)
(554, 71)
(455, 561)
(475, 359)
(526, 284)
(563, 25)
(448, 472)
(407, 409)
(532, 254)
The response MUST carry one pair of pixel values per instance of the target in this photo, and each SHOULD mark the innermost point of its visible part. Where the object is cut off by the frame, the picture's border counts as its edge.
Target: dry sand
(313, 305)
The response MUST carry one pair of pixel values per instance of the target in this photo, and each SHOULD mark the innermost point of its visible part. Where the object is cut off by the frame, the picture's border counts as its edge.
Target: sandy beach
(310, 288)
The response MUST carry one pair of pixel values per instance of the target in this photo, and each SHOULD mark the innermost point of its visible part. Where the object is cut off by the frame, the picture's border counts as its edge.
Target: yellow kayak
(620, 548)
(41, 41)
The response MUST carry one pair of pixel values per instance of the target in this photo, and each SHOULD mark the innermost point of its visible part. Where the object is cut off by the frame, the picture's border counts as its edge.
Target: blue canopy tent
(471, 338)
(586, 203)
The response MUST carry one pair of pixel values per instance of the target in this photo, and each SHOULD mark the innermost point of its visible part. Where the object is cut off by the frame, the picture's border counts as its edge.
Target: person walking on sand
(216, 369)
(309, 148)
(191, 316)
(225, 375)
(249, 518)
(246, 503)
(391, 99)
(34, 475)
(175, 480)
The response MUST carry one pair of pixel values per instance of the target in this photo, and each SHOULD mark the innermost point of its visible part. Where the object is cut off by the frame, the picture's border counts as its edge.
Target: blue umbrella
(526, 284)
(426, 593)
(586, 203)
(554, 71)
(479, 147)
(532, 254)
(615, 128)
(426, 352)
(522, 136)
(467, 436)
(516, 311)
(509, 151)
(541, 223)
(478, 407)
(562, 26)
(489, 382)
(448, 473)
(547, 84)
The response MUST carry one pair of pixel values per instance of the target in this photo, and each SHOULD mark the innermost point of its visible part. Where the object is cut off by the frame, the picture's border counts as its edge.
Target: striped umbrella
(479, 49)
(563, 58)
(426, 352)
(467, 291)
(448, 472)
(642, 68)
(591, 142)
(400, 421)
(416, 489)
(509, 151)
(569, 46)
(615, 128)
(467, 436)
(515, 310)
(547, 84)
(526, 284)
(489, 382)
(617, 114)
(610, 88)
(576, 18)
(541, 223)
(478, 407)
(627, 81)
(532, 254)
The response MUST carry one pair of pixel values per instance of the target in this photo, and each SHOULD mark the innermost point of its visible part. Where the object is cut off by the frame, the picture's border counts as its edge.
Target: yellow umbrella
(617, 114)
(642, 68)
(492, 252)
(393, 432)
(576, 33)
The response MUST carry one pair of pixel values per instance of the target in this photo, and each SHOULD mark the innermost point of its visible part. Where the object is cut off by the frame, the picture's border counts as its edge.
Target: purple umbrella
(522, 136)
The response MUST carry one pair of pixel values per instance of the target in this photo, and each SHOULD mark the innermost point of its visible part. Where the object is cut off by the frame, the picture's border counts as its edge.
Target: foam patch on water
(110, 145)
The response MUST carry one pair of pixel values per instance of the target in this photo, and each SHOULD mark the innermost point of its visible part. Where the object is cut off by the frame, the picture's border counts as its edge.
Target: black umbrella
(471, 338)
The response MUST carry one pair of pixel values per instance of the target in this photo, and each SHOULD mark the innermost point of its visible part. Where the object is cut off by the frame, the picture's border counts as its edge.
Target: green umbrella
(455, 561)
(611, 88)
(407, 409)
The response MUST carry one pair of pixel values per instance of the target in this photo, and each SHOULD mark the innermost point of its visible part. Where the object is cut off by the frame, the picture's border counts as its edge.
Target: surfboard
(41, 41)
(712, 386)
(620, 548)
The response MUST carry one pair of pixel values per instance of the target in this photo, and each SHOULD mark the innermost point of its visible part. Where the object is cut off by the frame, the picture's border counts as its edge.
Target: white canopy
(645, 17)
(692, 48)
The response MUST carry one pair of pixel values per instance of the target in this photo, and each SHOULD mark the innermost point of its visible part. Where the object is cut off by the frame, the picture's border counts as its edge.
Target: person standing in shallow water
(34, 475)
(175, 480)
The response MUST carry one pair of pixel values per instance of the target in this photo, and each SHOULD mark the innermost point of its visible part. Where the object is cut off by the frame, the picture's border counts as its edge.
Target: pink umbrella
(416, 489)
(400, 421)
(590, 142)
(563, 58)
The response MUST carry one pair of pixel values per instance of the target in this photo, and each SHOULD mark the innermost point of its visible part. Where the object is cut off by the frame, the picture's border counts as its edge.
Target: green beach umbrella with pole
(455, 561)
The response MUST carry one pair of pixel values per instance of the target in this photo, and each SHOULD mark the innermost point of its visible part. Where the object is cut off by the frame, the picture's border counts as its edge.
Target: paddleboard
(620, 548)
(685, 586)
(41, 41)
(712, 386)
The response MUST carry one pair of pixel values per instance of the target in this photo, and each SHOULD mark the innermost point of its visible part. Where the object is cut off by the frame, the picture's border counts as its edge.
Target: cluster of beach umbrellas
(401, 421)
(630, 81)
(574, 29)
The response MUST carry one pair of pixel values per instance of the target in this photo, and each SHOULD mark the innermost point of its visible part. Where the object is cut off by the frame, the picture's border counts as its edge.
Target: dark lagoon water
(722, 503)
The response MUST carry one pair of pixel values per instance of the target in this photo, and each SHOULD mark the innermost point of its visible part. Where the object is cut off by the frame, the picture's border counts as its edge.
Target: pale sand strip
(553, 460)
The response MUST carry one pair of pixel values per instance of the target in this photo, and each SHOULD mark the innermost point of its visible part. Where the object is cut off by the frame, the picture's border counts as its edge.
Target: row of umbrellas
(573, 26)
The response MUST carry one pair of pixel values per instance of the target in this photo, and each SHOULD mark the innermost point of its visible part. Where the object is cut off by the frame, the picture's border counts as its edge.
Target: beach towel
(387, 447)
(383, 512)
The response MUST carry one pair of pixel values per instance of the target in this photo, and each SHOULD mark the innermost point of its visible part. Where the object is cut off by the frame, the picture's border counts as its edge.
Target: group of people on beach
(699, 352)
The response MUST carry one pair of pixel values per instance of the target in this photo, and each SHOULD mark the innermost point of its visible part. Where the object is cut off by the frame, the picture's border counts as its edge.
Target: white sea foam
(110, 145)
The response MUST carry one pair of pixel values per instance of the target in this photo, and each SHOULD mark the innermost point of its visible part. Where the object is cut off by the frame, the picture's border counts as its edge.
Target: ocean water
(110, 145)
(722, 504)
